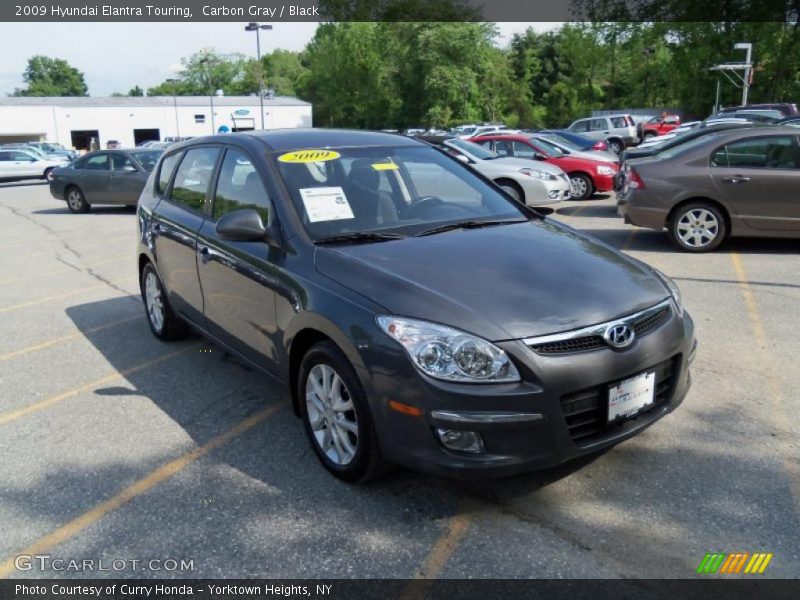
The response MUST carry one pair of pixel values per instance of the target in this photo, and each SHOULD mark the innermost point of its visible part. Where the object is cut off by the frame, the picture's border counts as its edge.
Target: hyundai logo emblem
(619, 335)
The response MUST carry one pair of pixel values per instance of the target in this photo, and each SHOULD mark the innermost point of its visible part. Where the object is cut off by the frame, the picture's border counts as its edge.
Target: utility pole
(257, 28)
(748, 48)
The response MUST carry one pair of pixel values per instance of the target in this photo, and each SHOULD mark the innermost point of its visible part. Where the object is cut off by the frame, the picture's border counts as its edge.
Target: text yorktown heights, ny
(151, 10)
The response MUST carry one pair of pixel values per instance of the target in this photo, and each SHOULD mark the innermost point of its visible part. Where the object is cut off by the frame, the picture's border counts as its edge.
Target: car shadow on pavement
(589, 210)
(649, 240)
(13, 184)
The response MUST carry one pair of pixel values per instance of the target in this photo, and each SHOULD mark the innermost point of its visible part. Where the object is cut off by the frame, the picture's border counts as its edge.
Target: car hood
(503, 282)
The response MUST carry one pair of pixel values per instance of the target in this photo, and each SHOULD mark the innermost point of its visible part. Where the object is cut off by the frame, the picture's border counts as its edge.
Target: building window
(199, 118)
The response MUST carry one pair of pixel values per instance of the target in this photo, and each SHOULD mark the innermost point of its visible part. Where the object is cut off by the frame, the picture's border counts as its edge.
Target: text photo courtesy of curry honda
(399, 300)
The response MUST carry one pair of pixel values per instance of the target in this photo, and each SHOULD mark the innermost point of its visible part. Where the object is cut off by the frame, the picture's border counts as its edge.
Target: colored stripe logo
(735, 563)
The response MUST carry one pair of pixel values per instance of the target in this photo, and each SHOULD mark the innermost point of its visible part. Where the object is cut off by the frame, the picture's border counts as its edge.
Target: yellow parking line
(60, 271)
(13, 415)
(762, 354)
(457, 527)
(64, 338)
(172, 468)
(66, 295)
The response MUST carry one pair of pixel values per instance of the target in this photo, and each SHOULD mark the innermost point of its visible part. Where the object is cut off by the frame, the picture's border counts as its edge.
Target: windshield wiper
(356, 237)
(468, 225)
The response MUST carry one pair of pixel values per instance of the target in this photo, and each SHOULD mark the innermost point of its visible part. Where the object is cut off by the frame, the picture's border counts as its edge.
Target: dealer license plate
(628, 397)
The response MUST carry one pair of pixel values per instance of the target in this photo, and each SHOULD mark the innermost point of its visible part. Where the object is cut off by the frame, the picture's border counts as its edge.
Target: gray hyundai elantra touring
(416, 314)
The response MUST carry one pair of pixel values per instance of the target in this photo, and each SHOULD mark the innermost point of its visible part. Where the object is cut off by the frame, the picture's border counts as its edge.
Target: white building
(73, 122)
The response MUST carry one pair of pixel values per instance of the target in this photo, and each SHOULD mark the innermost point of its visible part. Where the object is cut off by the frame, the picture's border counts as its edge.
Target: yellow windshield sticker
(308, 156)
(390, 166)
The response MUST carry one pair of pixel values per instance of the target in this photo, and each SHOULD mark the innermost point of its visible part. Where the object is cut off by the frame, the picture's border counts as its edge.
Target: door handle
(736, 179)
(205, 254)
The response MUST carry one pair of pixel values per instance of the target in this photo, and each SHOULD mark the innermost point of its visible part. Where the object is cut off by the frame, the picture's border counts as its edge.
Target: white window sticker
(326, 204)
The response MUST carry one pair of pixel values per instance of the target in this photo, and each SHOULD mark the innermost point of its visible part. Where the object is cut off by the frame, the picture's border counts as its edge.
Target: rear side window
(580, 126)
(165, 173)
(240, 187)
(193, 177)
(98, 162)
(774, 152)
(618, 122)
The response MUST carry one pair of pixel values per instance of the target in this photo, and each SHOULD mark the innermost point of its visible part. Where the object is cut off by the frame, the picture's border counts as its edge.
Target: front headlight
(673, 288)
(605, 170)
(538, 174)
(449, 354)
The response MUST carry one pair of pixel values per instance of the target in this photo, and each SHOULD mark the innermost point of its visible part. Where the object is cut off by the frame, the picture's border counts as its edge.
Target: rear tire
(76, 201)
(581, 186)
(336, 415)
(163, 321)
(697, 227)
(615, 146)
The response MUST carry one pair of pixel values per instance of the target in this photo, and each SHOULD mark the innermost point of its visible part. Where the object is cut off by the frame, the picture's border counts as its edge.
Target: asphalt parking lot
(117, 446)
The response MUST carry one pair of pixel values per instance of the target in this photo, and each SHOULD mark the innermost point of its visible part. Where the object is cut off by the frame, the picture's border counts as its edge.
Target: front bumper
(604, 183)
(525, 426)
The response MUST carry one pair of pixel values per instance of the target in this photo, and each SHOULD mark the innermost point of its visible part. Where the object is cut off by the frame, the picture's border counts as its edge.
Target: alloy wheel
(578, 187)
(74, 200)
(698, 227)
(154, 301)
(331, 414)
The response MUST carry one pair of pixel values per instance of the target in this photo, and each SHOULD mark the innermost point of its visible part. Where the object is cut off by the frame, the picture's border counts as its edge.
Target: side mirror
(128, 169)
(539, 156)
(242, 226)
(462, 158)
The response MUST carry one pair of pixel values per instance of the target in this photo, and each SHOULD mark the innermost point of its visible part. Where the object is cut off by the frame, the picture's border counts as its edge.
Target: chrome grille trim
(586, 335)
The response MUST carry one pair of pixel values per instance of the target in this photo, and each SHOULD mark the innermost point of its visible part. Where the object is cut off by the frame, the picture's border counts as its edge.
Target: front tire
(163, 321)
(581, 186)
(513, 189)
(697, 227)
(76, 201)
(336, 415)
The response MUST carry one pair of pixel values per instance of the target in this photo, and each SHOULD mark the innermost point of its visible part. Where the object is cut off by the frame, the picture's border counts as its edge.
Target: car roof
(301, 139)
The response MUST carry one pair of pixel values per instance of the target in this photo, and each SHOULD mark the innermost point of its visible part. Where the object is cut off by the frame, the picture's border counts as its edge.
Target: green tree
(136, 91)
(47, 76)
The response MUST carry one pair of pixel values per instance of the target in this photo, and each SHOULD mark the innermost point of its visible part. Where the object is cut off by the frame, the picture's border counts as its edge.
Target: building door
(140, 136)
(83, 137)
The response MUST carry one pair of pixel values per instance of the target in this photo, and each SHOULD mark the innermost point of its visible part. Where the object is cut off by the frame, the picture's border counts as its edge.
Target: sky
(114, 57)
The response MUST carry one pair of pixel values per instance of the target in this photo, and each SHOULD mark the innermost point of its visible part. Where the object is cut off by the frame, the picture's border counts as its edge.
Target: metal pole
(260, 76)
(716, 99)
(746, 86)
(177, 123)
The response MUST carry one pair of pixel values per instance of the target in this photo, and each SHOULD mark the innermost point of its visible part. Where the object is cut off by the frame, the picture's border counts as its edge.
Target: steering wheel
(421, 204)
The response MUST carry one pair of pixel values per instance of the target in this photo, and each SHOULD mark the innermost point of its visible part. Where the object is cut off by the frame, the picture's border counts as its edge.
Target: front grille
(642, 324)
(568, 346)
(585, 412)
(646, 324)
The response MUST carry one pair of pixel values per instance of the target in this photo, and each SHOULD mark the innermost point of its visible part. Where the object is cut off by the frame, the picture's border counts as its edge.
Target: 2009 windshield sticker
(387, 166)
(326, 204)
(309, 156)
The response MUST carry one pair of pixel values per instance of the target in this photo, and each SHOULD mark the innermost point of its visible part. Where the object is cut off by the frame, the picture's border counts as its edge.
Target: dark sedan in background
(104, 177)
(741, 182)
(416, 313)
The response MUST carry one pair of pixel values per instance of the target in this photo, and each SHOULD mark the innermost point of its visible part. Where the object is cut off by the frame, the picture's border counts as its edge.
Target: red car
(658, 126)
(586, 176)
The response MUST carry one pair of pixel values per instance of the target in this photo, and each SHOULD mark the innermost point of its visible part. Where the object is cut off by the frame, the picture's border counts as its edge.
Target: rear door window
(193, 177)
(773, 152)
(166, 171)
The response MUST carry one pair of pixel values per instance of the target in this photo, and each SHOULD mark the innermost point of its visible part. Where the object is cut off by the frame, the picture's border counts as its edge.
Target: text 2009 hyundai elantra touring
(417, 314)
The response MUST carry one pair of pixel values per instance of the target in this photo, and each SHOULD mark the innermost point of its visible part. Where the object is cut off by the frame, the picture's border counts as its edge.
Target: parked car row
(19, 162)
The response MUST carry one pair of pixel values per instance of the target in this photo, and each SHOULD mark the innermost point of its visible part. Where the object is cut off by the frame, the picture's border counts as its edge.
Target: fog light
(462, 441)
(553, 194)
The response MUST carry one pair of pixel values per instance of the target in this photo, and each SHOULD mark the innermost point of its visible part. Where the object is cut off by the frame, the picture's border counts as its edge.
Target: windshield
(389, 190)
(147, 158)
(468, 130)
(474, 150)
(548, 148)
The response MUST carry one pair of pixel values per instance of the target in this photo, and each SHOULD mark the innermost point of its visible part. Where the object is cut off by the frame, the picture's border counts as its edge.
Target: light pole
(257, 28)
(748, 48)
(175, 104)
